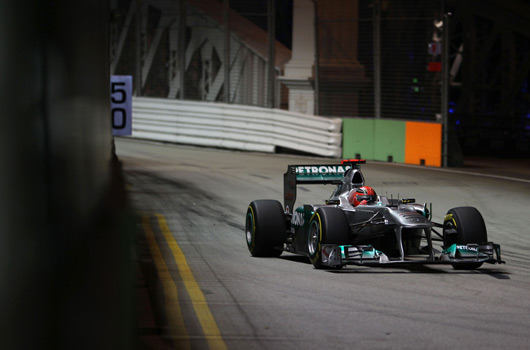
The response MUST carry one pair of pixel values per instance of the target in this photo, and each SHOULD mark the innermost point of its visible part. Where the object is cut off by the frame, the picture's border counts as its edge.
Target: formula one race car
(357, 227)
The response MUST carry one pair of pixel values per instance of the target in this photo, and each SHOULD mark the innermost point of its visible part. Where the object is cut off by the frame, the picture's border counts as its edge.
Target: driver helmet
(362, 196)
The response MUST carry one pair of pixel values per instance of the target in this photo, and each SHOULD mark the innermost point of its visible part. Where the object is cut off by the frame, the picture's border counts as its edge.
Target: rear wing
(314, 174)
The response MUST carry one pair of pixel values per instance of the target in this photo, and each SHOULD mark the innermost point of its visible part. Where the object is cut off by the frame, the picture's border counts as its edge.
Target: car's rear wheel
(265, 228)
(464, 225)
(327, 226)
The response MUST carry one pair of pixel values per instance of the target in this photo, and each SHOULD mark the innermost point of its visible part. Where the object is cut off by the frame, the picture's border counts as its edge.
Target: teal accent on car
(463, 251)
(366, 254)
(342, 254)
(371, 254)
(450, 250)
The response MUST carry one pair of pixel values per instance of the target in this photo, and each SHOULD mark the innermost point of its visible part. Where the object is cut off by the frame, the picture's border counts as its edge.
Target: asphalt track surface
(207, 292)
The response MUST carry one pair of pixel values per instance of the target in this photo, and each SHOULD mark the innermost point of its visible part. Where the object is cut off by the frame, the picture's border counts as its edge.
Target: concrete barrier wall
(63, 269)
(398, 141)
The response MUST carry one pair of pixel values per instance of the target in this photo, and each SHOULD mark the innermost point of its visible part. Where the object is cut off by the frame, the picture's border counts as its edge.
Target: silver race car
(357, 227)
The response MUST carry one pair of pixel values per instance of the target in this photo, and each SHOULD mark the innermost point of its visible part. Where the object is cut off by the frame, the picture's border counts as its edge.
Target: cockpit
(353, 178)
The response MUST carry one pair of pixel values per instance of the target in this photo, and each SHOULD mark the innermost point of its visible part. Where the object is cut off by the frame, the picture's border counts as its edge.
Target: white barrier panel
(235, 126)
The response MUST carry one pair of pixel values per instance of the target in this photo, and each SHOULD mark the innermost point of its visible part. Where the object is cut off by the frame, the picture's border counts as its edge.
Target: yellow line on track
(174, 314)
(208, 324)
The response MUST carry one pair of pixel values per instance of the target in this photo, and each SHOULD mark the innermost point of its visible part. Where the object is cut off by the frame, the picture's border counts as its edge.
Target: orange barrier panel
(423, 143)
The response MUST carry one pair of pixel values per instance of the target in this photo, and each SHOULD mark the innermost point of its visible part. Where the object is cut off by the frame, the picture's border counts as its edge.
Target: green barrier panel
(358, 138)
(389, 140)
(374, 139)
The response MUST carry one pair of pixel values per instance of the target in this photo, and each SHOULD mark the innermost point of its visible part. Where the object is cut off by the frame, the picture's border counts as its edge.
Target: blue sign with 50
(121, 104)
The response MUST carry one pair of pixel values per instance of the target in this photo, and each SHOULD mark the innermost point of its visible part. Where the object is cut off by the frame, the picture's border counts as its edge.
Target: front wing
(340, 255)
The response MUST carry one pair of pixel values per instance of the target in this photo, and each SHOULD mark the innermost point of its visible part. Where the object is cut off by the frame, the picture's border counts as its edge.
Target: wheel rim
(314, 238)
(249, 228)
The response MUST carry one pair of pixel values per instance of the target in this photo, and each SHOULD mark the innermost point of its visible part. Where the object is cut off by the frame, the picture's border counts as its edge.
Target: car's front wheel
(464, 225)
(327, 226)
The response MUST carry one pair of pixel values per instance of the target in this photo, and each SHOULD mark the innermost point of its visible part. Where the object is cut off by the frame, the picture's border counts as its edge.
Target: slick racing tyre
(265, 228)
(464, 225)
(327, 226)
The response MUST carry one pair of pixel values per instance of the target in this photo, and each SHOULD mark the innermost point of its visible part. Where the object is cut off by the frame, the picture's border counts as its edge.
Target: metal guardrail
(235, 126)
